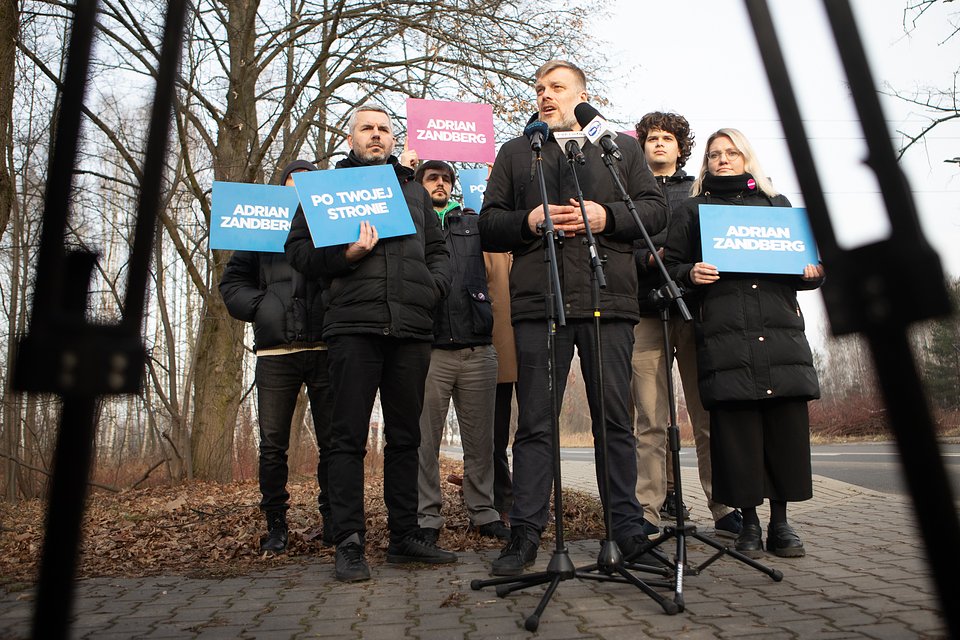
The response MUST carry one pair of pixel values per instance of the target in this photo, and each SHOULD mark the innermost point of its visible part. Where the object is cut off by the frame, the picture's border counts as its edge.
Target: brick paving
(864, 576)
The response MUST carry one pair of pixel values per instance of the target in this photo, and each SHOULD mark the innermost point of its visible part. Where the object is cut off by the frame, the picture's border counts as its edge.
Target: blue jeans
(279, 379)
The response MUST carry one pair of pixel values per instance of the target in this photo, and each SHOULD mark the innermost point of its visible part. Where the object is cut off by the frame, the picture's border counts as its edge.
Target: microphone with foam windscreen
(597, 130)
(537, 131)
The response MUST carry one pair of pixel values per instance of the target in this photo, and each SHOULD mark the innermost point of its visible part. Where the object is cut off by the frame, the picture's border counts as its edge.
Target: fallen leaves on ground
(206, 529)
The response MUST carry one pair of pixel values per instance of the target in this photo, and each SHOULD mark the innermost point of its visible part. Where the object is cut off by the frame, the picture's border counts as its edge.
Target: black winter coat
(676, 188)
(750, 330)
(513, 191)
(465, 317)
(286, 308)
(393, 290)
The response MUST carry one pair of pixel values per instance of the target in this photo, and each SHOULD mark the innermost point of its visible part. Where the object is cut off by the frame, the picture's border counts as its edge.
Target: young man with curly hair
(667, 142)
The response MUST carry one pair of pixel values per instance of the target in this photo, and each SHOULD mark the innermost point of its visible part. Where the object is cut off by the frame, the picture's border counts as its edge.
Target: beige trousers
(652, 413)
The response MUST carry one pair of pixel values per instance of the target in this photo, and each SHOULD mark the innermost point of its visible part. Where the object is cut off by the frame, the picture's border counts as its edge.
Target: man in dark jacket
(378, 326)
(511, 221)
(667, 143)
(286, 310)
(463, 366)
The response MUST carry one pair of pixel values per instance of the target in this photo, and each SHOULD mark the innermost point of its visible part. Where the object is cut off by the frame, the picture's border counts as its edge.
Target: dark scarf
(718, 185)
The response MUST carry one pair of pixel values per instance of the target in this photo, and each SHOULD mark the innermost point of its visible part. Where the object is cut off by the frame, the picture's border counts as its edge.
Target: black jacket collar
(404, 174)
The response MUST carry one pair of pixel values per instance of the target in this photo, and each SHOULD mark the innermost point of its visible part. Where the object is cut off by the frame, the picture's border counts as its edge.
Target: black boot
(276, 538)
(520, 553)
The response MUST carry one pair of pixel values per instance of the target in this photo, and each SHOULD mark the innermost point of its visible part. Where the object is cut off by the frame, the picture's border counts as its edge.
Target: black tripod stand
(560, 567)
(681, 530)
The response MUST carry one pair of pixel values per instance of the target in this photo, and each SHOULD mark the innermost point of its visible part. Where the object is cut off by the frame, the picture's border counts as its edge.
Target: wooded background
(262, 83)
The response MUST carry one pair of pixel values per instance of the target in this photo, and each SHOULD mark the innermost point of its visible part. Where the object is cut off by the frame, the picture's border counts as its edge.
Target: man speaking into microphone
(512, 220)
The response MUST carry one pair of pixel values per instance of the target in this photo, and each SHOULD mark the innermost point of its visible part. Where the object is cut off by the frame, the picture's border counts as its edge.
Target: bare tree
(938, 104)
(23, 418)
(9, 34)
(263, 83)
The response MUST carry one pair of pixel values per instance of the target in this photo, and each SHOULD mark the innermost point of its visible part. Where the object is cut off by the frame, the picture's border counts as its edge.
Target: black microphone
(597, 130)
(537, 131)
(573, 151)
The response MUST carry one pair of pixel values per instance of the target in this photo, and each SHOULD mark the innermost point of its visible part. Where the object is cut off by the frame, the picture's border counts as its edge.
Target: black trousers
(279, 379)
(359, 365)
(760, 449)
(502, 481)
(533, 442)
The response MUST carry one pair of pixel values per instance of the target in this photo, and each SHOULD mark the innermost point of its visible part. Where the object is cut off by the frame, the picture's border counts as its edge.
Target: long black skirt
(760, 450)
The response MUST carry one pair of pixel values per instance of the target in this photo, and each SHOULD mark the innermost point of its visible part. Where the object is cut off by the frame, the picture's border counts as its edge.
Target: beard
(439, 202)
(562, 121)
(565, 125)
(373, 157)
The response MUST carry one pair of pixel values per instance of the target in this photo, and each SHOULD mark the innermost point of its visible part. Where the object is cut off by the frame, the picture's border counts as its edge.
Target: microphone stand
(610, 560)
(665, 297)
(560, 567)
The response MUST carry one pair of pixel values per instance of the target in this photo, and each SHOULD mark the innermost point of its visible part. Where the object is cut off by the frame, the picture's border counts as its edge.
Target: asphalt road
(873, 465)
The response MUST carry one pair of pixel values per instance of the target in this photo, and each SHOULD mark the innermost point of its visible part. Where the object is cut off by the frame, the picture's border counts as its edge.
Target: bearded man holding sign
(378, 327)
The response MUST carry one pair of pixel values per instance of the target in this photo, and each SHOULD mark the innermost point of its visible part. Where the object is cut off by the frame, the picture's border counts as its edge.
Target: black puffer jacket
(513, 191)
(391, 291)
(676, 188)
(750, 330)
(465, 317)
(286, 308)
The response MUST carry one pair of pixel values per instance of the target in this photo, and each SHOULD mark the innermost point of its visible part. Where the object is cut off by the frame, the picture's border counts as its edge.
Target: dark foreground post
(65, 354)
(878, 289)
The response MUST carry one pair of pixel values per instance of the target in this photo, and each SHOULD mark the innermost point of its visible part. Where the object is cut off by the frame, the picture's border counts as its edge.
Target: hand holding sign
(363, 246)
(409, 158)
(812, 272)
(704, 273)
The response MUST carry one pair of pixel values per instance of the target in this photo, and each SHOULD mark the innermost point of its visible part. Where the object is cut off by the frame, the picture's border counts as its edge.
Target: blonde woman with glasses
(756, 370)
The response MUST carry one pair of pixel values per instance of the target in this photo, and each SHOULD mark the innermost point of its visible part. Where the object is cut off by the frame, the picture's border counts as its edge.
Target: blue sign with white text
(335, 201)
(742, 239)
(251, 217)
(473, 182)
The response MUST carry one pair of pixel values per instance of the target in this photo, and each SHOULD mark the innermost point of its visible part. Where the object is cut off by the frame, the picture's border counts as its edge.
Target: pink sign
(454, 131)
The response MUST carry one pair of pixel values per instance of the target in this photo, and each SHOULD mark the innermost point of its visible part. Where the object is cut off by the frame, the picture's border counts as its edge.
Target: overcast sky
(699, 58)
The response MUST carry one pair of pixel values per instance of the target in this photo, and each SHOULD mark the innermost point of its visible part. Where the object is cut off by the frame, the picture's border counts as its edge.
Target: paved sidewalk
(864, 576)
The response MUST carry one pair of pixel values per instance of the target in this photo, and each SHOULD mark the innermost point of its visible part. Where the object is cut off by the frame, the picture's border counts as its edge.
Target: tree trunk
(302, 451)
(9, 33)
(217, 385)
